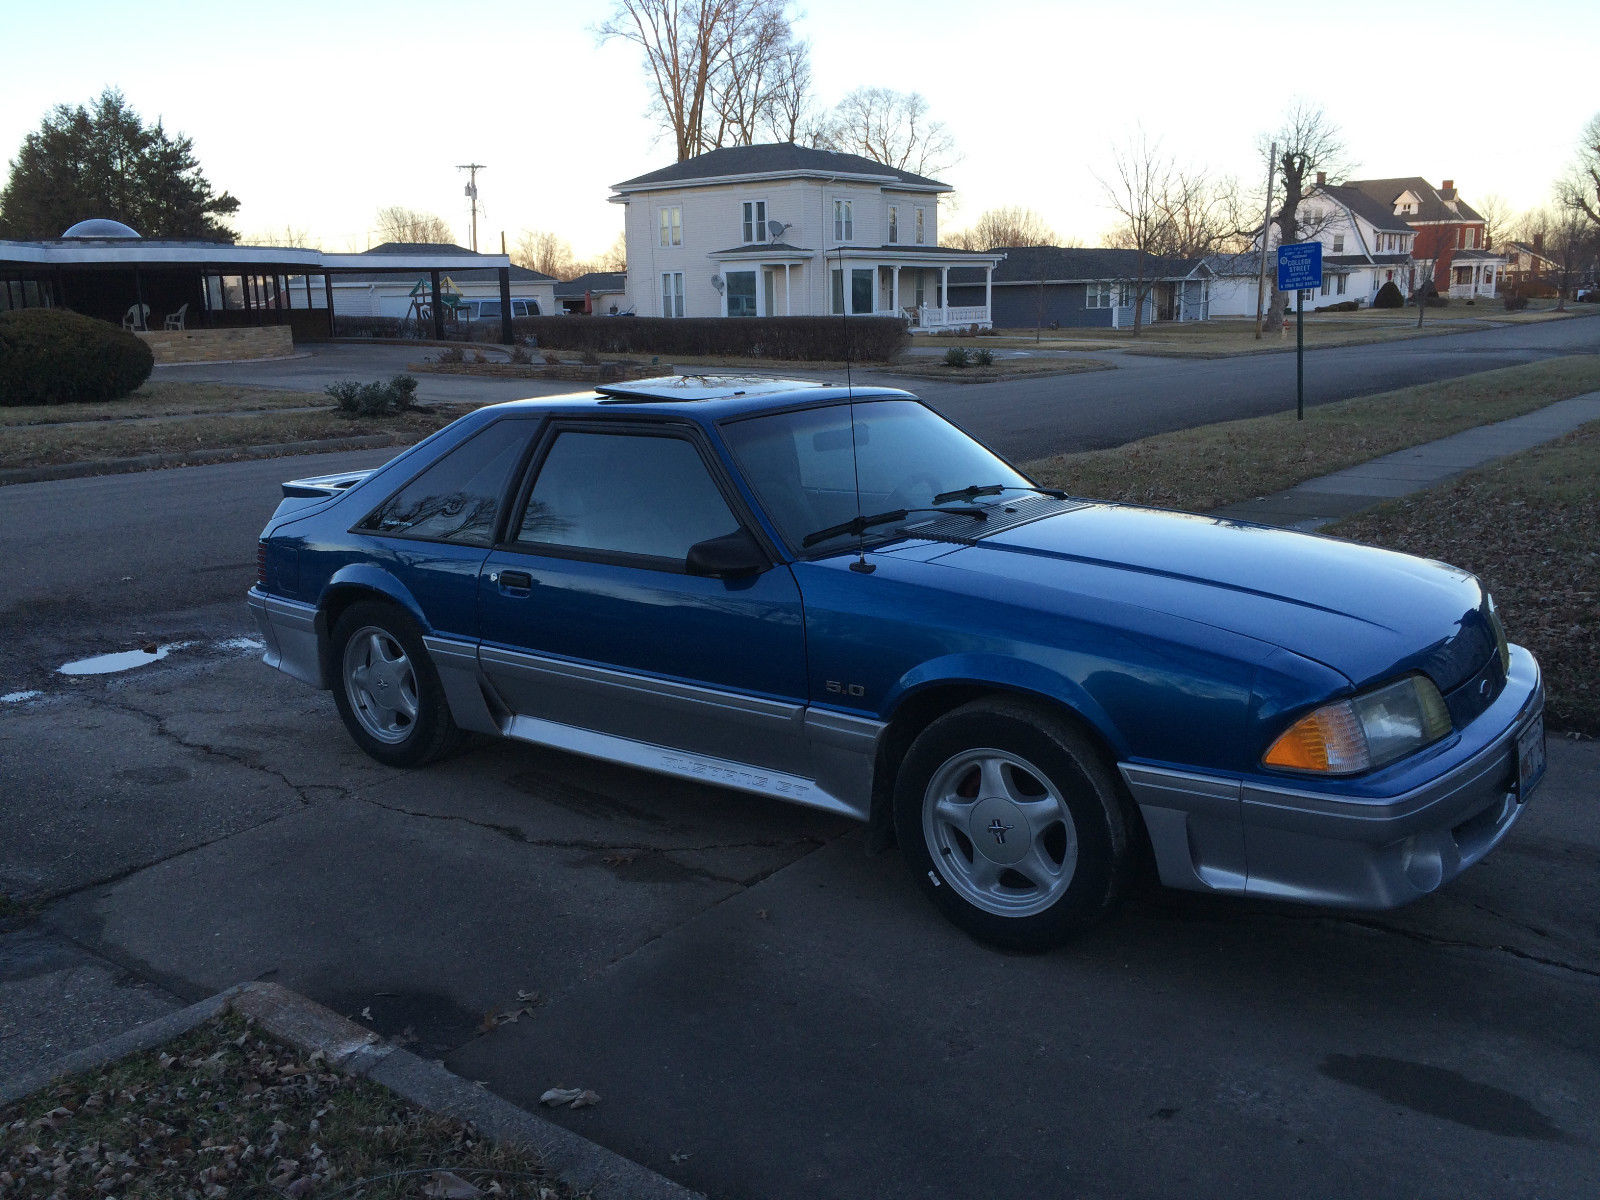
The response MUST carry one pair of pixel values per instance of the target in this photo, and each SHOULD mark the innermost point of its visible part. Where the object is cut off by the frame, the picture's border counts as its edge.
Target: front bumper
(289, 629)
(1351, 847)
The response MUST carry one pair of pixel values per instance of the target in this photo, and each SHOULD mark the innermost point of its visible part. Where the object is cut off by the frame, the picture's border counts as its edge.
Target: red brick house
(1449, 246)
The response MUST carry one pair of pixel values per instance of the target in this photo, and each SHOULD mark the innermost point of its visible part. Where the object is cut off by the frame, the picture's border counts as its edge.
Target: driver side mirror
(731, 556)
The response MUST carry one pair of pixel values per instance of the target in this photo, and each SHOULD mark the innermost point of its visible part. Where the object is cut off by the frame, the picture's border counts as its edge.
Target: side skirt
(702, 768)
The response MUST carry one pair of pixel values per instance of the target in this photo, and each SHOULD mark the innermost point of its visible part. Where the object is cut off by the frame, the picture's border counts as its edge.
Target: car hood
(1368, 613)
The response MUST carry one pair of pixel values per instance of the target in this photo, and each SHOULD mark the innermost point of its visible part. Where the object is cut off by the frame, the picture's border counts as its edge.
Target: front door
(590, 620)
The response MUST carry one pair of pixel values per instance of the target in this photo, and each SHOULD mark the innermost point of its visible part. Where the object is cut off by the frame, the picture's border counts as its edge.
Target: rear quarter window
(457, 498)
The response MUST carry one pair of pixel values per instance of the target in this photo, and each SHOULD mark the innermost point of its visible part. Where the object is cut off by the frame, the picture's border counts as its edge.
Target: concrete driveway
(766, 1010)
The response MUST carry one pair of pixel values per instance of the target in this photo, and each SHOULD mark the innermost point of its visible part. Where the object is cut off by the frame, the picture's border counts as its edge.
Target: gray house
(1072, 286)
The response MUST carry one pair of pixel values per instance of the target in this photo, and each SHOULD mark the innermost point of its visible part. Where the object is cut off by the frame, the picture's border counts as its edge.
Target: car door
(590, 619)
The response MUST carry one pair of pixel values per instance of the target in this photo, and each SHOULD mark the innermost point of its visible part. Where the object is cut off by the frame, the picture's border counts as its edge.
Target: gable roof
(595, 282)
(774, 158)
(1078, 264)
(1379, 215)
(1432, 206)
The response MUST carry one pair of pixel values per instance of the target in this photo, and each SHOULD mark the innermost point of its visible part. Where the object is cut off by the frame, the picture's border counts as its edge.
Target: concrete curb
(228, 362)
(151, 462)
(357, 1051)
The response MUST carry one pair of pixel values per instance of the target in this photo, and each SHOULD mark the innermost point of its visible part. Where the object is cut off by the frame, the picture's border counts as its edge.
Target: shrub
(866, 339)
(956, 356)
(1342, 306)
(53, 356)
(1515, 301)
(520, 356)
(589, 358)
(1389, 297)
(551, 358)
(450, 354)
(374, 399)
(983, 357)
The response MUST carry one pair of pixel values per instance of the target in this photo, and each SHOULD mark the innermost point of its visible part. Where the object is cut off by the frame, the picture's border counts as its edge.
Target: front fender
(1007, 674)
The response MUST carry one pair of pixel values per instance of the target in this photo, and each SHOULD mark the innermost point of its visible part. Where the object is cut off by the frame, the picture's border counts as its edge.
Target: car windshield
(805, 465)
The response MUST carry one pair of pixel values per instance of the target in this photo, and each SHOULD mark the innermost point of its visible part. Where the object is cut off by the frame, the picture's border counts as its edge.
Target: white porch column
(894, 289)
(988, 291)
(944, 292)
(788, 307)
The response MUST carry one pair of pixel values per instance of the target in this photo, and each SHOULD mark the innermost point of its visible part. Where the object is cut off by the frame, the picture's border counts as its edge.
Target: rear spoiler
(317, 487)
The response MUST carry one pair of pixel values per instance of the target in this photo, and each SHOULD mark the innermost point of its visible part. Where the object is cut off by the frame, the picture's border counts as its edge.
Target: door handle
(520, 581)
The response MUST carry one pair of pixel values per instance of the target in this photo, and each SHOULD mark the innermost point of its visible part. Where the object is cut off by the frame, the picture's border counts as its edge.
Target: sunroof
(678, 388)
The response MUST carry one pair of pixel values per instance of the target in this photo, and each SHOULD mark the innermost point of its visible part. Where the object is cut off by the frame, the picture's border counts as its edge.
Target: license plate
(1530, 757)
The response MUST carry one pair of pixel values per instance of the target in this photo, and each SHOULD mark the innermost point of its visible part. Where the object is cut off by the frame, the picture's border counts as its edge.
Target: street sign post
(1299, 271)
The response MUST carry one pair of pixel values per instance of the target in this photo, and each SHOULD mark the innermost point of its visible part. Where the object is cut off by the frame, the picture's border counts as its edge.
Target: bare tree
(715, 65)
(544, 252)
(792, 115)
(1496, 214)
(892, 128)
(289, 235)
(1579, 188)
(616, 256)
(397, 223)
(1009, 226)
(1569, 240)
(1309, 143)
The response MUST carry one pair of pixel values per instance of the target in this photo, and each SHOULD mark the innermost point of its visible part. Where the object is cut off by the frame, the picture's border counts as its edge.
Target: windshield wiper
(973, 491)
(860, 524)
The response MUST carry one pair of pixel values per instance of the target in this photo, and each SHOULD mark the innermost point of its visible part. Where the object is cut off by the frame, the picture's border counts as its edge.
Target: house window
(1338, 243)
(1327, 285)
(861, 289)
(672, 226)
(1463, 274)
(672, 293)
(1097, 295)
(1342, 280)
(894, 224)
(922, 232)
(844, 226)
(755, 221)
(1124, 297)
(741, 293)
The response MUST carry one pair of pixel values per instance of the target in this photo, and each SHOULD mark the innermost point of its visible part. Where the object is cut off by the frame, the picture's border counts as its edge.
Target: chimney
(1322, 178)
(1538, 243)
(1449, 185)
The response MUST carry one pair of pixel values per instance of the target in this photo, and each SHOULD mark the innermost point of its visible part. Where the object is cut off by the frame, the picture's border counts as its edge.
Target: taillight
(261, 564)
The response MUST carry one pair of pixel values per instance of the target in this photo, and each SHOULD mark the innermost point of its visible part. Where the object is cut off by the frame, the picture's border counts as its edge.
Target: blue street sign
(1299, 266)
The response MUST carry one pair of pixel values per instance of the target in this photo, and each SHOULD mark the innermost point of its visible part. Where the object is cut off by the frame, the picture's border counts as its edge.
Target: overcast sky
(317, 114)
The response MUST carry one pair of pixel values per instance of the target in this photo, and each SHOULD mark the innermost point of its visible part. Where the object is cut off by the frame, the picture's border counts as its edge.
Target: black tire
(1027, 767)
(396, 737)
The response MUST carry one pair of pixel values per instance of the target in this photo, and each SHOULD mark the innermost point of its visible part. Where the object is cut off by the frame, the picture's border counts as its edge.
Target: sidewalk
(1317, 502)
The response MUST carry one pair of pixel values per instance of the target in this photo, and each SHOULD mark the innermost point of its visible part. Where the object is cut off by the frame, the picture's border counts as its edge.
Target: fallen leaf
(679, 1156)
(761, 914)
(571, 1097)
(366, 1013)
(586, 1099)
(443, 1185)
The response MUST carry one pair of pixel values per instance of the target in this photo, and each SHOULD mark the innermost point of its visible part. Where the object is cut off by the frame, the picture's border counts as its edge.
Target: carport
(106, 270)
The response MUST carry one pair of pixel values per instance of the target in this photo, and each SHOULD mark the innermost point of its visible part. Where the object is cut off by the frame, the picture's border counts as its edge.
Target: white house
(1364, 244)
(787, 230)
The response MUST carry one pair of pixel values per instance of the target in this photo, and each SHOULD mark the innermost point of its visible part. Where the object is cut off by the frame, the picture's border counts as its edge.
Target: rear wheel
(387, 690)
(1012, 823)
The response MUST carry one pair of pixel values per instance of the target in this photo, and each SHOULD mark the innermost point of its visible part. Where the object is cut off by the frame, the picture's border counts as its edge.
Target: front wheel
(1013, 824)
(387, 690)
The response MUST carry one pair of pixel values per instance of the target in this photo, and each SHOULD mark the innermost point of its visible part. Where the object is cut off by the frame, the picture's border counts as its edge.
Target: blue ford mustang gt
(840, 599)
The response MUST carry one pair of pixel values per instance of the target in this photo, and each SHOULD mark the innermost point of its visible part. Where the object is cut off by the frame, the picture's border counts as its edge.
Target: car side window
(458, 497)
(630, 494)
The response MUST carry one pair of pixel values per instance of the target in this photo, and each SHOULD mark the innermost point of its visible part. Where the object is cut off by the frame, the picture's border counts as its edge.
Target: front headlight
(1365, 731)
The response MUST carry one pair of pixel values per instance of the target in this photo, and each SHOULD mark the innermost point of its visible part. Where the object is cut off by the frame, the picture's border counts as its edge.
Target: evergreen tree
(105, 162)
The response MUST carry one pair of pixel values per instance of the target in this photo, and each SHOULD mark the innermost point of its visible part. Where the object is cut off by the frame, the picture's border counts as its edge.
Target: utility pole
(472, 194)
(1266, 227)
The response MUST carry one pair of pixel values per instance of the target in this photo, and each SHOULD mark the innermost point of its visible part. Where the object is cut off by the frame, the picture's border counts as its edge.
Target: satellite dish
(776, 229)
(716, 282)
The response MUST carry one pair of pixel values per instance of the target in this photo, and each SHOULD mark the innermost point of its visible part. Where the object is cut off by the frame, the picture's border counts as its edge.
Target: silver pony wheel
(381, 684)
(1002, 835)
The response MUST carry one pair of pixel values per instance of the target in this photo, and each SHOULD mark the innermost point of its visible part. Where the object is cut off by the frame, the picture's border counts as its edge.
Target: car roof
(703, 398)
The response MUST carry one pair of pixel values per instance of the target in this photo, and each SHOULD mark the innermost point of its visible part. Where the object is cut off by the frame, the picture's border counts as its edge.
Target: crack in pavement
(1431, 939)
(159, 724)
(600, 847)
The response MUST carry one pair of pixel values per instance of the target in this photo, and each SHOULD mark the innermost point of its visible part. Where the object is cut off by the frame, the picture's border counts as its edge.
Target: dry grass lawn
(162, 399)
(227, 1111)
(1205, 468)
(1529, 527)
(42, 445)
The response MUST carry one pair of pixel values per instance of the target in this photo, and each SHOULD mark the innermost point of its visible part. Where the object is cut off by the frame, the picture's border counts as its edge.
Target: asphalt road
(766, 1010)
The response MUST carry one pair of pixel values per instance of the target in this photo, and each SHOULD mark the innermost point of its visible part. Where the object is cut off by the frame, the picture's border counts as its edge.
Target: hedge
(867, 339)
(53, 356)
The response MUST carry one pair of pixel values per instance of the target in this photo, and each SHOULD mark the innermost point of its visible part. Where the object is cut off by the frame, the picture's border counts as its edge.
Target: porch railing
(930, 317)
